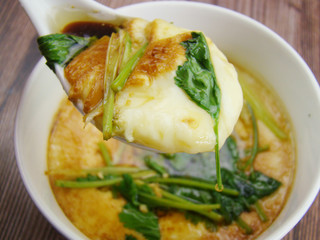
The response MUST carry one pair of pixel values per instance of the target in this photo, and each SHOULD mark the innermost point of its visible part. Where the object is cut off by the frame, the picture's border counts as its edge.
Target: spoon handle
(49, 16)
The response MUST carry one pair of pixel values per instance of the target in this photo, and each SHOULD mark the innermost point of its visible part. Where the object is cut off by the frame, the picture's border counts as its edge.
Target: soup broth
(95, 211)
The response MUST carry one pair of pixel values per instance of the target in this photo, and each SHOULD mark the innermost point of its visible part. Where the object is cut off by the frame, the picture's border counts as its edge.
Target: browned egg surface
(95, 212)
(85, 74)
(160, 57)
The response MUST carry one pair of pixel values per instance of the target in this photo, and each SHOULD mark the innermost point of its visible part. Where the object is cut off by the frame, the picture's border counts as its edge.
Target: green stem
(115, 170)
(118, 53)
(255, 146)
(230, 192)
(261, 213)
(125, 45)
(87, 184)
(155, 166)
(244, 225)
(211, 215)
(121, 79)
(113, 60)
(108, 107)
(101, 183)
(173, 197)
(191, 183)
(105, 153)
(260, 109)
(260, 149)
(219, 185)
(162, 202)
(143, 174)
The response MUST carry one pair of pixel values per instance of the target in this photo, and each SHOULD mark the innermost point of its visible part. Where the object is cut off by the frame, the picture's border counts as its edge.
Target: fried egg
(151, 109)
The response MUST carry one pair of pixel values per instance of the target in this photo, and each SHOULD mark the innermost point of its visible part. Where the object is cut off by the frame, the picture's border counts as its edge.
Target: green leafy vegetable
(197, 78)
(247, 229)
(93, 178)
(130, 237)
(129, 189)
(155, 201)
(251, 188)
(208, 214)
(105, 153)
(257, 184)
(62, 48)
(191, 194)
(196, 218)
(152, 164)
(88, 182)
(125, 48)
(184, 182)
(96, 181)
(252, 97)
(118, 68)
(260, 212)
(115, 170)
(144, 223)
(113, 60)
(121, 79)
(255, 146)
(197, 183)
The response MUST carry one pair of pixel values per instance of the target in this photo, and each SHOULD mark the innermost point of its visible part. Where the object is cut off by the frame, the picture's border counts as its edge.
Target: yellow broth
(95, 211)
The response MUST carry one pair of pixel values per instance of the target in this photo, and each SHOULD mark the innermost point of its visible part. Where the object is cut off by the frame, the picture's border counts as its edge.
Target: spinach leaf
(144, 223)
(196, 218)
(257, 185)
(197, 77)
(251, 188)
(263, 184)
(231, 208)
(130, 237)
(62, 48)
(128, 189)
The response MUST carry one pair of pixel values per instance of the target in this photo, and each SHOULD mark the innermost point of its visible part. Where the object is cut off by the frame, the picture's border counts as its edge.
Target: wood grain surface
(297, 21)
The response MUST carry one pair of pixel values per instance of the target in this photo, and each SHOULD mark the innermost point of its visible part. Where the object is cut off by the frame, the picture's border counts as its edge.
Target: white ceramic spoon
(49, 16)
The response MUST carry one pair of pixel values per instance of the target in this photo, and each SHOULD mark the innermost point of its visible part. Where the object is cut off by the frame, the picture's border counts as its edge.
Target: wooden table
(297, 21)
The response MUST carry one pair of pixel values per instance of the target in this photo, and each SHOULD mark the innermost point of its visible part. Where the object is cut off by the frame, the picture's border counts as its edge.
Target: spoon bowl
(50, 16)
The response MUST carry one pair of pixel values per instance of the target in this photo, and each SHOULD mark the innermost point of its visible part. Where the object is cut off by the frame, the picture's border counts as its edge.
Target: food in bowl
(286, 79)
(151, 83)
(111, 190)
(170, 89)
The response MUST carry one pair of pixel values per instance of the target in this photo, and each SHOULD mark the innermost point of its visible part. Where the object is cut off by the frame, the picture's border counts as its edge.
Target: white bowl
(243, 40)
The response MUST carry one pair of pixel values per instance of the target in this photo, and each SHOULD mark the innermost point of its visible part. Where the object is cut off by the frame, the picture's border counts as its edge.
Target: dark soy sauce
(88, 29)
